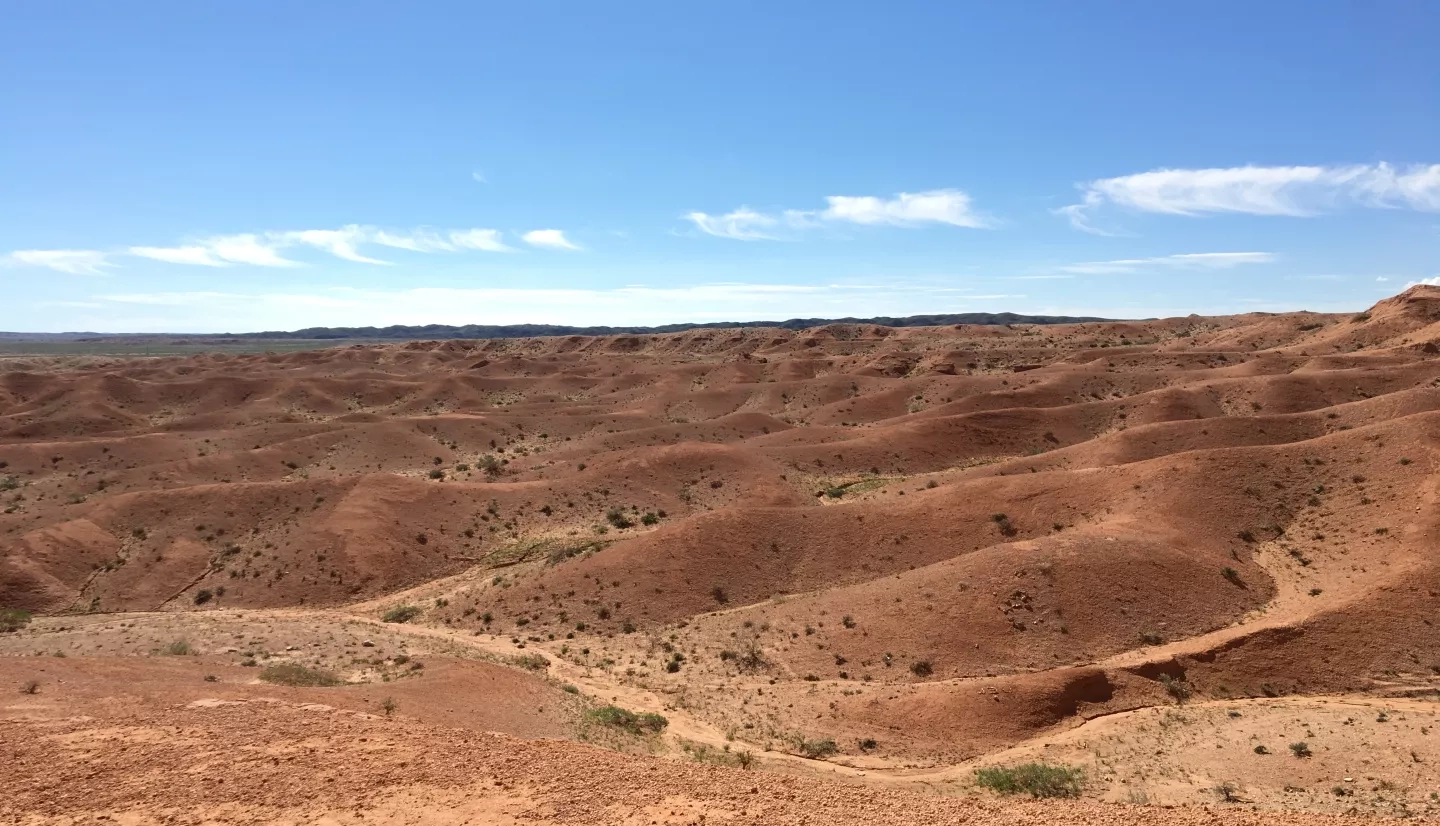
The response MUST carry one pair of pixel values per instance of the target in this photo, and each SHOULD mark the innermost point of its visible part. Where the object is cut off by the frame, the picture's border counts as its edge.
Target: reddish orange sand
(937, 547)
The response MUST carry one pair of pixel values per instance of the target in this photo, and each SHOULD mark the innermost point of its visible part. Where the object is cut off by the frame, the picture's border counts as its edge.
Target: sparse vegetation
(640, 725)
(816, 749)
(178, 648)
(401, 613)
(531, 662)
(13, 619)
(1300, 749)
(1039, 780)
(295, 674)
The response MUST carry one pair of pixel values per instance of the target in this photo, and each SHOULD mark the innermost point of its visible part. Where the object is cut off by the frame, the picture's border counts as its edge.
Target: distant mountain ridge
(400, 332)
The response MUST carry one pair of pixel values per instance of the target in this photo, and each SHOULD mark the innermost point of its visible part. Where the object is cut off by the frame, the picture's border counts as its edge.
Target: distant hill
(444, 331)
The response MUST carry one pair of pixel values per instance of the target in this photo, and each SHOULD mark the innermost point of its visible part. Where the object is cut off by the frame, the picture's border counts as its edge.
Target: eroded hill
(926, 545)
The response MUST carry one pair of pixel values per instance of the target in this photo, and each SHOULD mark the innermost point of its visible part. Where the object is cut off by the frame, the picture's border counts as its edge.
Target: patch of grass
(295, 674)
(1034, 779)
(178, 648)
(702, 753)
(13, 619)
(1177, 688)
(401, 613)
(531, 662)
(640, 725)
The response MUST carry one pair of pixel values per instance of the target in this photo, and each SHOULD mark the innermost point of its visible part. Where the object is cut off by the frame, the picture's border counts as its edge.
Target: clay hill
(746, 575)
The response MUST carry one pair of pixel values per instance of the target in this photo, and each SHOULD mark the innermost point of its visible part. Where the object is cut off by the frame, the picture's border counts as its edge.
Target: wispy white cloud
(1297, 191)
(550, 238)
(906, 209)
(478, 178)
(479, 239)
(265, 249)
(74, 262)
(1192, 260)
(744, 224)
(196, 255)
(340, 243)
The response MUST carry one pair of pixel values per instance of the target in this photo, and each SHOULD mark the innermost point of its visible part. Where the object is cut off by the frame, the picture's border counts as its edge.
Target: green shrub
(295, 674)
(401, 613)
(1034, 779)
(816, 749)
(13, 619)
(637, 724)
(178, 648)
(531, 662)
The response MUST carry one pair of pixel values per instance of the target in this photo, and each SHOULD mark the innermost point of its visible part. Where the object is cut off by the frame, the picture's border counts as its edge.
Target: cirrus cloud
(74, 262)
(551, 238)
(906, 209)
(264, 249)
(1296, 191)
(1189, 260)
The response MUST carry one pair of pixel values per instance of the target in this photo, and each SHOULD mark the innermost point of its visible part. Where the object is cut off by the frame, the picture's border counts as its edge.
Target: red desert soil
(849, 565)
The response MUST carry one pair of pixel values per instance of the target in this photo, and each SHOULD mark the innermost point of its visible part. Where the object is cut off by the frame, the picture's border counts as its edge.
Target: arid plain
(731, 576)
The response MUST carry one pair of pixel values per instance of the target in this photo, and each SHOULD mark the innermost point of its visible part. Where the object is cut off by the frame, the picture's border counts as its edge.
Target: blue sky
(206, 167)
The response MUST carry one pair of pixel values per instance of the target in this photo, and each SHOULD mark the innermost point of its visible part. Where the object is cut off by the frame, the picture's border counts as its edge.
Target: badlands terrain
(742, 576)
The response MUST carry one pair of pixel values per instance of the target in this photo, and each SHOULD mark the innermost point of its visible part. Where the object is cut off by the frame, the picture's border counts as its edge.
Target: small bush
(816, 749)
(1003, 522)
(1232, 575)
(178, 648)
(531, 662)
(650, 518)
(1177, 688)
(617, 517)
(295, 674)
(13, 619)
(638, 724)
(719, 594)
(203, 596)
(1261, 750)
(1300, 749)
(401, 613)
(848, 621)
(922, 668)
(1034, 779)
(389, 706)
(31, 687)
